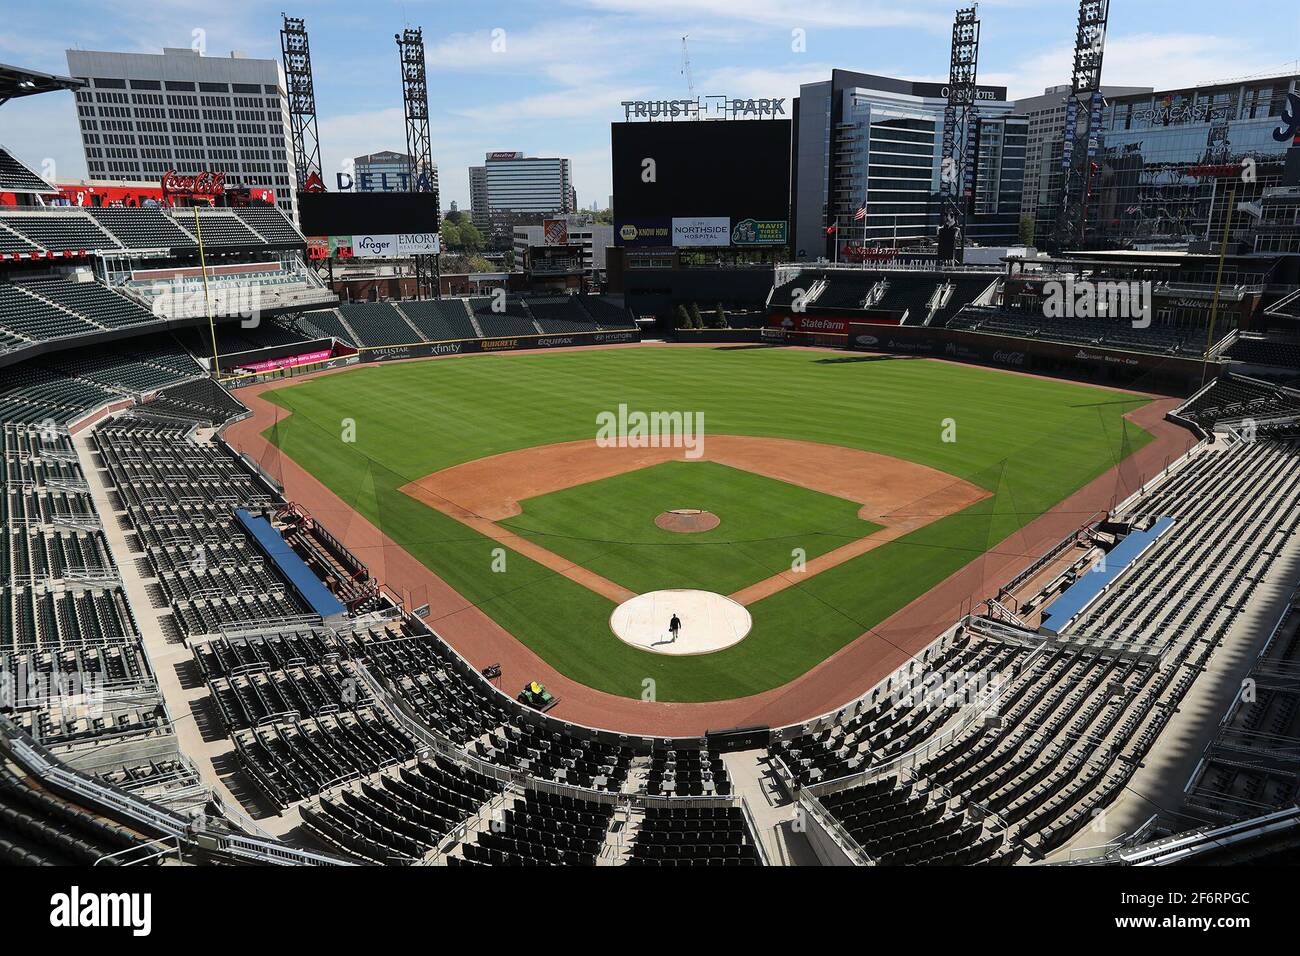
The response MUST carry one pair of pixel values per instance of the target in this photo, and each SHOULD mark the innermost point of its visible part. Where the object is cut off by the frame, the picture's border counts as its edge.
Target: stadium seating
(218, 227)
(513, 319)
(606, 312)
(15, 177)
(440, 320)
(197, 401)
(402, 814)
(693, 836)
(91, 300)
(1238, 777)
(60, 230)
(1074, 721)
(270, 223)
(378, 324)
(1100, 332)
(40, 828)
(1232, 398)
(250, 290)
(294, 760)
(142, 228)
(687, 773)
(234, 337)
(1275, 351)
(11, 242)
(543, 829)
(560, 314)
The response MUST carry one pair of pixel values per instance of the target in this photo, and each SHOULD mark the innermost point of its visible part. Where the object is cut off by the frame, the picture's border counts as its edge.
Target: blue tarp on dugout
(309, 587)
(1084, 591)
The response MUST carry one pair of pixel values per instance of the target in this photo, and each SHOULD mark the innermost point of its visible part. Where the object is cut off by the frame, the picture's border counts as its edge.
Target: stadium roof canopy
(16, 81)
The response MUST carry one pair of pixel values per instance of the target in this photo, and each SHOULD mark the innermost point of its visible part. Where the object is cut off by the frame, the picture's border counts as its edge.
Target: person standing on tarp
(674, 626)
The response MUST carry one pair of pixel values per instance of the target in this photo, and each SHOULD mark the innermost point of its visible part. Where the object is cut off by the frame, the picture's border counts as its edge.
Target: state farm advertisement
(812, 323)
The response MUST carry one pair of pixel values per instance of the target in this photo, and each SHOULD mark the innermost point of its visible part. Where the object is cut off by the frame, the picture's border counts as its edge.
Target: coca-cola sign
(206, 183)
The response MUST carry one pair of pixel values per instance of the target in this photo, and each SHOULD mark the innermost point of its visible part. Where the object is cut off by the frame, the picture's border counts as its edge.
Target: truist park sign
(704, 107)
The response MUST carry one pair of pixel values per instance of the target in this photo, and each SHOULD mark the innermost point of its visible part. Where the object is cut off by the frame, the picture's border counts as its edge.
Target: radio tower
(419, 149)
(959, 122)
(302, 98)
(1082, 122)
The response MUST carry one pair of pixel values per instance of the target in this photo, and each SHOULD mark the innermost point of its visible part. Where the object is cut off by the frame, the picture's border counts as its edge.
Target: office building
(876, 143)
(386, 172)
(512, 189)
(143, 114)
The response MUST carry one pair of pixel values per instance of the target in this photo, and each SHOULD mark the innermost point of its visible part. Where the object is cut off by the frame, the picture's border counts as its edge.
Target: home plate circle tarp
(710, 622)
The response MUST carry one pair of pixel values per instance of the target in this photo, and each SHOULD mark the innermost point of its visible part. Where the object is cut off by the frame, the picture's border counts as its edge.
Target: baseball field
(843, 486)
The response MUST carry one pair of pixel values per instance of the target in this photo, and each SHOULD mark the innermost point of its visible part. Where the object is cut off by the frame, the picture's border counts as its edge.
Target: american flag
(860, 214)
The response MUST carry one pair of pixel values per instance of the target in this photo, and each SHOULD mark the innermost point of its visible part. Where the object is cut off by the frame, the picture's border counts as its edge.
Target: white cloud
(926, 14)
(764, 82)
(1164, 61)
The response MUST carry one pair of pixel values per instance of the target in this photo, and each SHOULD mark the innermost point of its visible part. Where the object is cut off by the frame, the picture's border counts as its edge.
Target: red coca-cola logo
(201, 184)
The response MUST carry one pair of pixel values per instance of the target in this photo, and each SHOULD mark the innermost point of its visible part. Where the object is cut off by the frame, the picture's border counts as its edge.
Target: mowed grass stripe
(608, 526)
(1030, 441)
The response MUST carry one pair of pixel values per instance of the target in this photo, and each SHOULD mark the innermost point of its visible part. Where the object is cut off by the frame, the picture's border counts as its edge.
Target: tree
(718, 317)
(471, 240)
(450, 235)
(683, 318)
(697, 320)
(1027, 230)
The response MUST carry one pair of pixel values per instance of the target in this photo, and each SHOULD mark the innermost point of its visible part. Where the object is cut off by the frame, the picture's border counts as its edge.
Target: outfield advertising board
(760, 232)
(702, 184)
(396, 353)
(1046, 358)
(382, 246)
(645, 232)
(701, 231)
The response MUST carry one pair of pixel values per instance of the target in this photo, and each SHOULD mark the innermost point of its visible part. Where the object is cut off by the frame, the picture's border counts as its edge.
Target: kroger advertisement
(399, 246)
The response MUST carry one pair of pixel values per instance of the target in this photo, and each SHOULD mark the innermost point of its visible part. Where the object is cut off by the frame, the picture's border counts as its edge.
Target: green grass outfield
(1030, 441)
(608, 526)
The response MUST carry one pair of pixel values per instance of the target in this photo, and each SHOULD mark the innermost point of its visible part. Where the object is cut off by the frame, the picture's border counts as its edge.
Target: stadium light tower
(1082, 121)
(302, 98)
(419, 147)
(959, 121)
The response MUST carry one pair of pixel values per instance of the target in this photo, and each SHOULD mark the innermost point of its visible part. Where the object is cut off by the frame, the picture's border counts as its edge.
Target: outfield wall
(1177, 375)
(418, 350)
(559, 340)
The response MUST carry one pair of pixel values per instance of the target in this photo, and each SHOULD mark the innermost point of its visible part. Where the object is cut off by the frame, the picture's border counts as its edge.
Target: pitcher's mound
(688, 521)
(710, 622)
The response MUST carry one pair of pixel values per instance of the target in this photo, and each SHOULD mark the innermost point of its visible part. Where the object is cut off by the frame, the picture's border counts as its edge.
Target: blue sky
(566, 64)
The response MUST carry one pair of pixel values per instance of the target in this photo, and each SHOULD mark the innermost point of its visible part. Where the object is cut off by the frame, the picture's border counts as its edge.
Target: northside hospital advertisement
(703, 231)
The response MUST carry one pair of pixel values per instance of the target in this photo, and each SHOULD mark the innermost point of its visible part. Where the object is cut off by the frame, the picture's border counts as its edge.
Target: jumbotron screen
(357, 214)
(701, 183)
